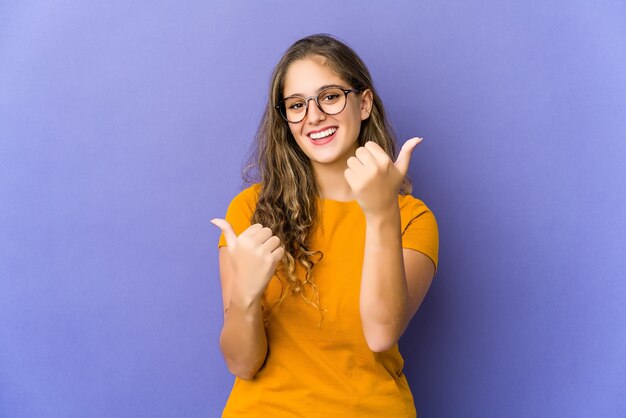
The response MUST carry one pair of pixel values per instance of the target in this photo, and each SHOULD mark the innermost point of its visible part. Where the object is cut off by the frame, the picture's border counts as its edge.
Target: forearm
(384, 294)
(243, 340)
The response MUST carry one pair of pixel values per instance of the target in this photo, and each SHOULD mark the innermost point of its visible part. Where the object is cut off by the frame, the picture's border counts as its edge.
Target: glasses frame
(281, 109)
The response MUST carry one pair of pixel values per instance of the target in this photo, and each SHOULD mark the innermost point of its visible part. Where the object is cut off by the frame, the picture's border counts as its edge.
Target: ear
(367, 101)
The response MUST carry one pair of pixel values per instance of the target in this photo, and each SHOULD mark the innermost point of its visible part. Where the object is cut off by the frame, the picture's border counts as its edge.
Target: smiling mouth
(318, 136)
(324, 137)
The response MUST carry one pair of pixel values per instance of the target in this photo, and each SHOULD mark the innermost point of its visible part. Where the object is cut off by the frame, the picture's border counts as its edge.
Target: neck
(331, 181)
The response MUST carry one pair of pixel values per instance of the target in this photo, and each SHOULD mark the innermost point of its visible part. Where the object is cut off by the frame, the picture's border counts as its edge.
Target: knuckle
(372, 146)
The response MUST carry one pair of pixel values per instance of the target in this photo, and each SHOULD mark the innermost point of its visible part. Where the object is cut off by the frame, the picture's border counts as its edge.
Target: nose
(314, 113)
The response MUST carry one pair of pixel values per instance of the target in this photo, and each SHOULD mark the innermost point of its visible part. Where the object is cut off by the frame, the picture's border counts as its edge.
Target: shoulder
(243, 205)
(240, 210)
(412, 207)
(419, 227)
(416, 216)
(247, 198)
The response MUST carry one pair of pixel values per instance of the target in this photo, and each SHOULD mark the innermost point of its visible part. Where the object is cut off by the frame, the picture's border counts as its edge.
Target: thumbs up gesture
(374, 178)
(254, 255)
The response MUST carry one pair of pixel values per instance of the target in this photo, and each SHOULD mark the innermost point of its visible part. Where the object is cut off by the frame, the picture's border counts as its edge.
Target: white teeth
(323, 134)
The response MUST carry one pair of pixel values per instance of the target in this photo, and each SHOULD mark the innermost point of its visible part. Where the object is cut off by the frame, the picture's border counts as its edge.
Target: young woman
(325, 260)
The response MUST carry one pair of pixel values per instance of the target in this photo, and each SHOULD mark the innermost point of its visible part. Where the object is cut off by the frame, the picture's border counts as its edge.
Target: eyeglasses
(331, 101)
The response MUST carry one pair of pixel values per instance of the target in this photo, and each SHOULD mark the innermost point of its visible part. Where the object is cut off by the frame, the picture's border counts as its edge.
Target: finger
(377, 151)
(250, 231)
(261, 236)
(355, 164)
(229, 234)
(404, 158)
(365, 157)
(350, 177)
(278, 254)
(272, 243)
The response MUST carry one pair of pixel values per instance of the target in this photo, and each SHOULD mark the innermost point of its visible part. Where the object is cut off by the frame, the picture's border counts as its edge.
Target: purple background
(123, 128)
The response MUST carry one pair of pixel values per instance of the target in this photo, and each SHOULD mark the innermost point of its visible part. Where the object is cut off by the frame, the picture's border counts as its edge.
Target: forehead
(305, 77)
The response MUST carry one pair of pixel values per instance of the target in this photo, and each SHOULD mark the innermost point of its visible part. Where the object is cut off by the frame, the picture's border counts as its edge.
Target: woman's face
(306, 77)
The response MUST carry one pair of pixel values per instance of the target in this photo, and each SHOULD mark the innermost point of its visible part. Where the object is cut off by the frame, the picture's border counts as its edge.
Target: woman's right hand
(254, 255)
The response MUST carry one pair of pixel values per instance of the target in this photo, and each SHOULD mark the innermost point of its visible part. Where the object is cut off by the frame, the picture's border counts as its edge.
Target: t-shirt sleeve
(421, 232)
(240, 211)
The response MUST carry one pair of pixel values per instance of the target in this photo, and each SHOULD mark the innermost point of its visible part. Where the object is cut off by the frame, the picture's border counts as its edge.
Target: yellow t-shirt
(329, 371)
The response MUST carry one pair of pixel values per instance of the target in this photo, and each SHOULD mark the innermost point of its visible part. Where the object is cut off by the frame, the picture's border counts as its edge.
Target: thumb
(229, 234)
(402, 162)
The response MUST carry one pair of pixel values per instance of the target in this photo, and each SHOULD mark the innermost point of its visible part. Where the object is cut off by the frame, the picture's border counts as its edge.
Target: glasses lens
(332, 100)
(294, 108)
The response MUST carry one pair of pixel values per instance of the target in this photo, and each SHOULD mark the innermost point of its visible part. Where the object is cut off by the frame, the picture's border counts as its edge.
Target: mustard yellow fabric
(327, 370)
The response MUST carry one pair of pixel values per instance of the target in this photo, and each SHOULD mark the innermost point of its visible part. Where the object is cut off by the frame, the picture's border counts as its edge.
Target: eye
(296, 106)
(330, 96)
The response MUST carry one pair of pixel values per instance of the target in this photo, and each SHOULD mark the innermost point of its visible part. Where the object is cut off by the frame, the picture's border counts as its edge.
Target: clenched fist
(254, 255)
(374, 178)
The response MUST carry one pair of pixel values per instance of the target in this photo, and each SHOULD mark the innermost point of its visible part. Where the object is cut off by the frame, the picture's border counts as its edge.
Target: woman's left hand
(374, 179)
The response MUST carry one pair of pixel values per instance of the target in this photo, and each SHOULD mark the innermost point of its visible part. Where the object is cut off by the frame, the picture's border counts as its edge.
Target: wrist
(383, 215)
(244, 301)
(383, 229)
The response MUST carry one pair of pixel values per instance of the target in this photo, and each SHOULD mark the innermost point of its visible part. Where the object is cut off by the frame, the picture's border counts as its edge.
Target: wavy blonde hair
(288, 192)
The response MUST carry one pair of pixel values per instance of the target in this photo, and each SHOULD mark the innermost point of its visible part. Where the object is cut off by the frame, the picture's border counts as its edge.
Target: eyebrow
(325, 86)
